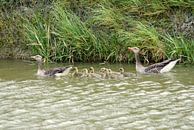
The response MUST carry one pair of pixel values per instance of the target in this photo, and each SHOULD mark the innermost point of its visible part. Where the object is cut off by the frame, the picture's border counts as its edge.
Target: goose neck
(137, 59)
(139, 66)
(39, 66)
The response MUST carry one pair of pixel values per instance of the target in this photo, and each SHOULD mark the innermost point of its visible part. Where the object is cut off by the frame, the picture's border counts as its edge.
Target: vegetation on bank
(98, 30)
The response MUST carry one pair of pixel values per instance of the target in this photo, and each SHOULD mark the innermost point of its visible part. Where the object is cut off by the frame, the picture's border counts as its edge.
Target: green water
(142, 102)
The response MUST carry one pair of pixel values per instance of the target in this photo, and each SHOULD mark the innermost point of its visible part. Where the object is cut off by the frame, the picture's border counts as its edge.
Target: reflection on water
(142, 102)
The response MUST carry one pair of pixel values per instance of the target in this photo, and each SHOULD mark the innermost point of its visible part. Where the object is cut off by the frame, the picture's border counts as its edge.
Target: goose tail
(169, 66)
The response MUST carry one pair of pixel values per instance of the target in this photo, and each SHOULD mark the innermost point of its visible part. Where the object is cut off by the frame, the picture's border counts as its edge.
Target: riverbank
(93, 31)
(14, 52)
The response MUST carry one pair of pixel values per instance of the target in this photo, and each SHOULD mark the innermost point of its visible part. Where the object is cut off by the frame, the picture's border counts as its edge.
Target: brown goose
(60, 71)
(161, 67)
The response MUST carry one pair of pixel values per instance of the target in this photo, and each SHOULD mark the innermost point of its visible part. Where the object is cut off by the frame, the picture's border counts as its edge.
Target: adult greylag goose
(60, 71)
(161, 67)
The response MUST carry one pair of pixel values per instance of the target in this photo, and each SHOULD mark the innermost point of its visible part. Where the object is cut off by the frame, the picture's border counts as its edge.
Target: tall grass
(179, 47)
(37, 33)
(106, 23)
(71, 33)
(148, 39)
(96, 31)
(107, 16)
(12, 41)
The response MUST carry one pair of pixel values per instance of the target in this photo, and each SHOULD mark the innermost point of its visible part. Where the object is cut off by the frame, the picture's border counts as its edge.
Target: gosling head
(85, 71)
(109, 71)
(75, 69)
(91, 70)
(121, 70)
(134, 49)
(102, 70)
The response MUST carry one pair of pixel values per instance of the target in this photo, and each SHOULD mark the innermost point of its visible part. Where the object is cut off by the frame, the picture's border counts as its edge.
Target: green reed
(97, 31)
(180, 47)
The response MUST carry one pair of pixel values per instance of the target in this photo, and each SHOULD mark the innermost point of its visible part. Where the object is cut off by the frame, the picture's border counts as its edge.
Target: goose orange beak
(130, 49)
(33, 57)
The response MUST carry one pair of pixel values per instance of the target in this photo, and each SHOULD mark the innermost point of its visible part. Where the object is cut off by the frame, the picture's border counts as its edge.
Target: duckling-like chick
(125, 74)
(85, 73)
(76, 72)
(102, 69)
(93, 74)
(113, 72)
(105, 74)
(91, 70)
(114, 75)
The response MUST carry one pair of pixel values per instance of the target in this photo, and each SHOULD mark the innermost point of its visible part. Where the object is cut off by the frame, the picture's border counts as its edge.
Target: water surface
(142, 102)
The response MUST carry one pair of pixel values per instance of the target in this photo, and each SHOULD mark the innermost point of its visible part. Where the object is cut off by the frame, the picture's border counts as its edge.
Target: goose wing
(155, 68)
(54, 71)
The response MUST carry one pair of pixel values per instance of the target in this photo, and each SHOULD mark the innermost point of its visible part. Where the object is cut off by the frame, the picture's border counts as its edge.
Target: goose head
(134, 49)
(38, 58)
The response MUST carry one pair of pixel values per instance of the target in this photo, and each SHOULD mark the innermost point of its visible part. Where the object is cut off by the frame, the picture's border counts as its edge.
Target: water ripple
(143, 102)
